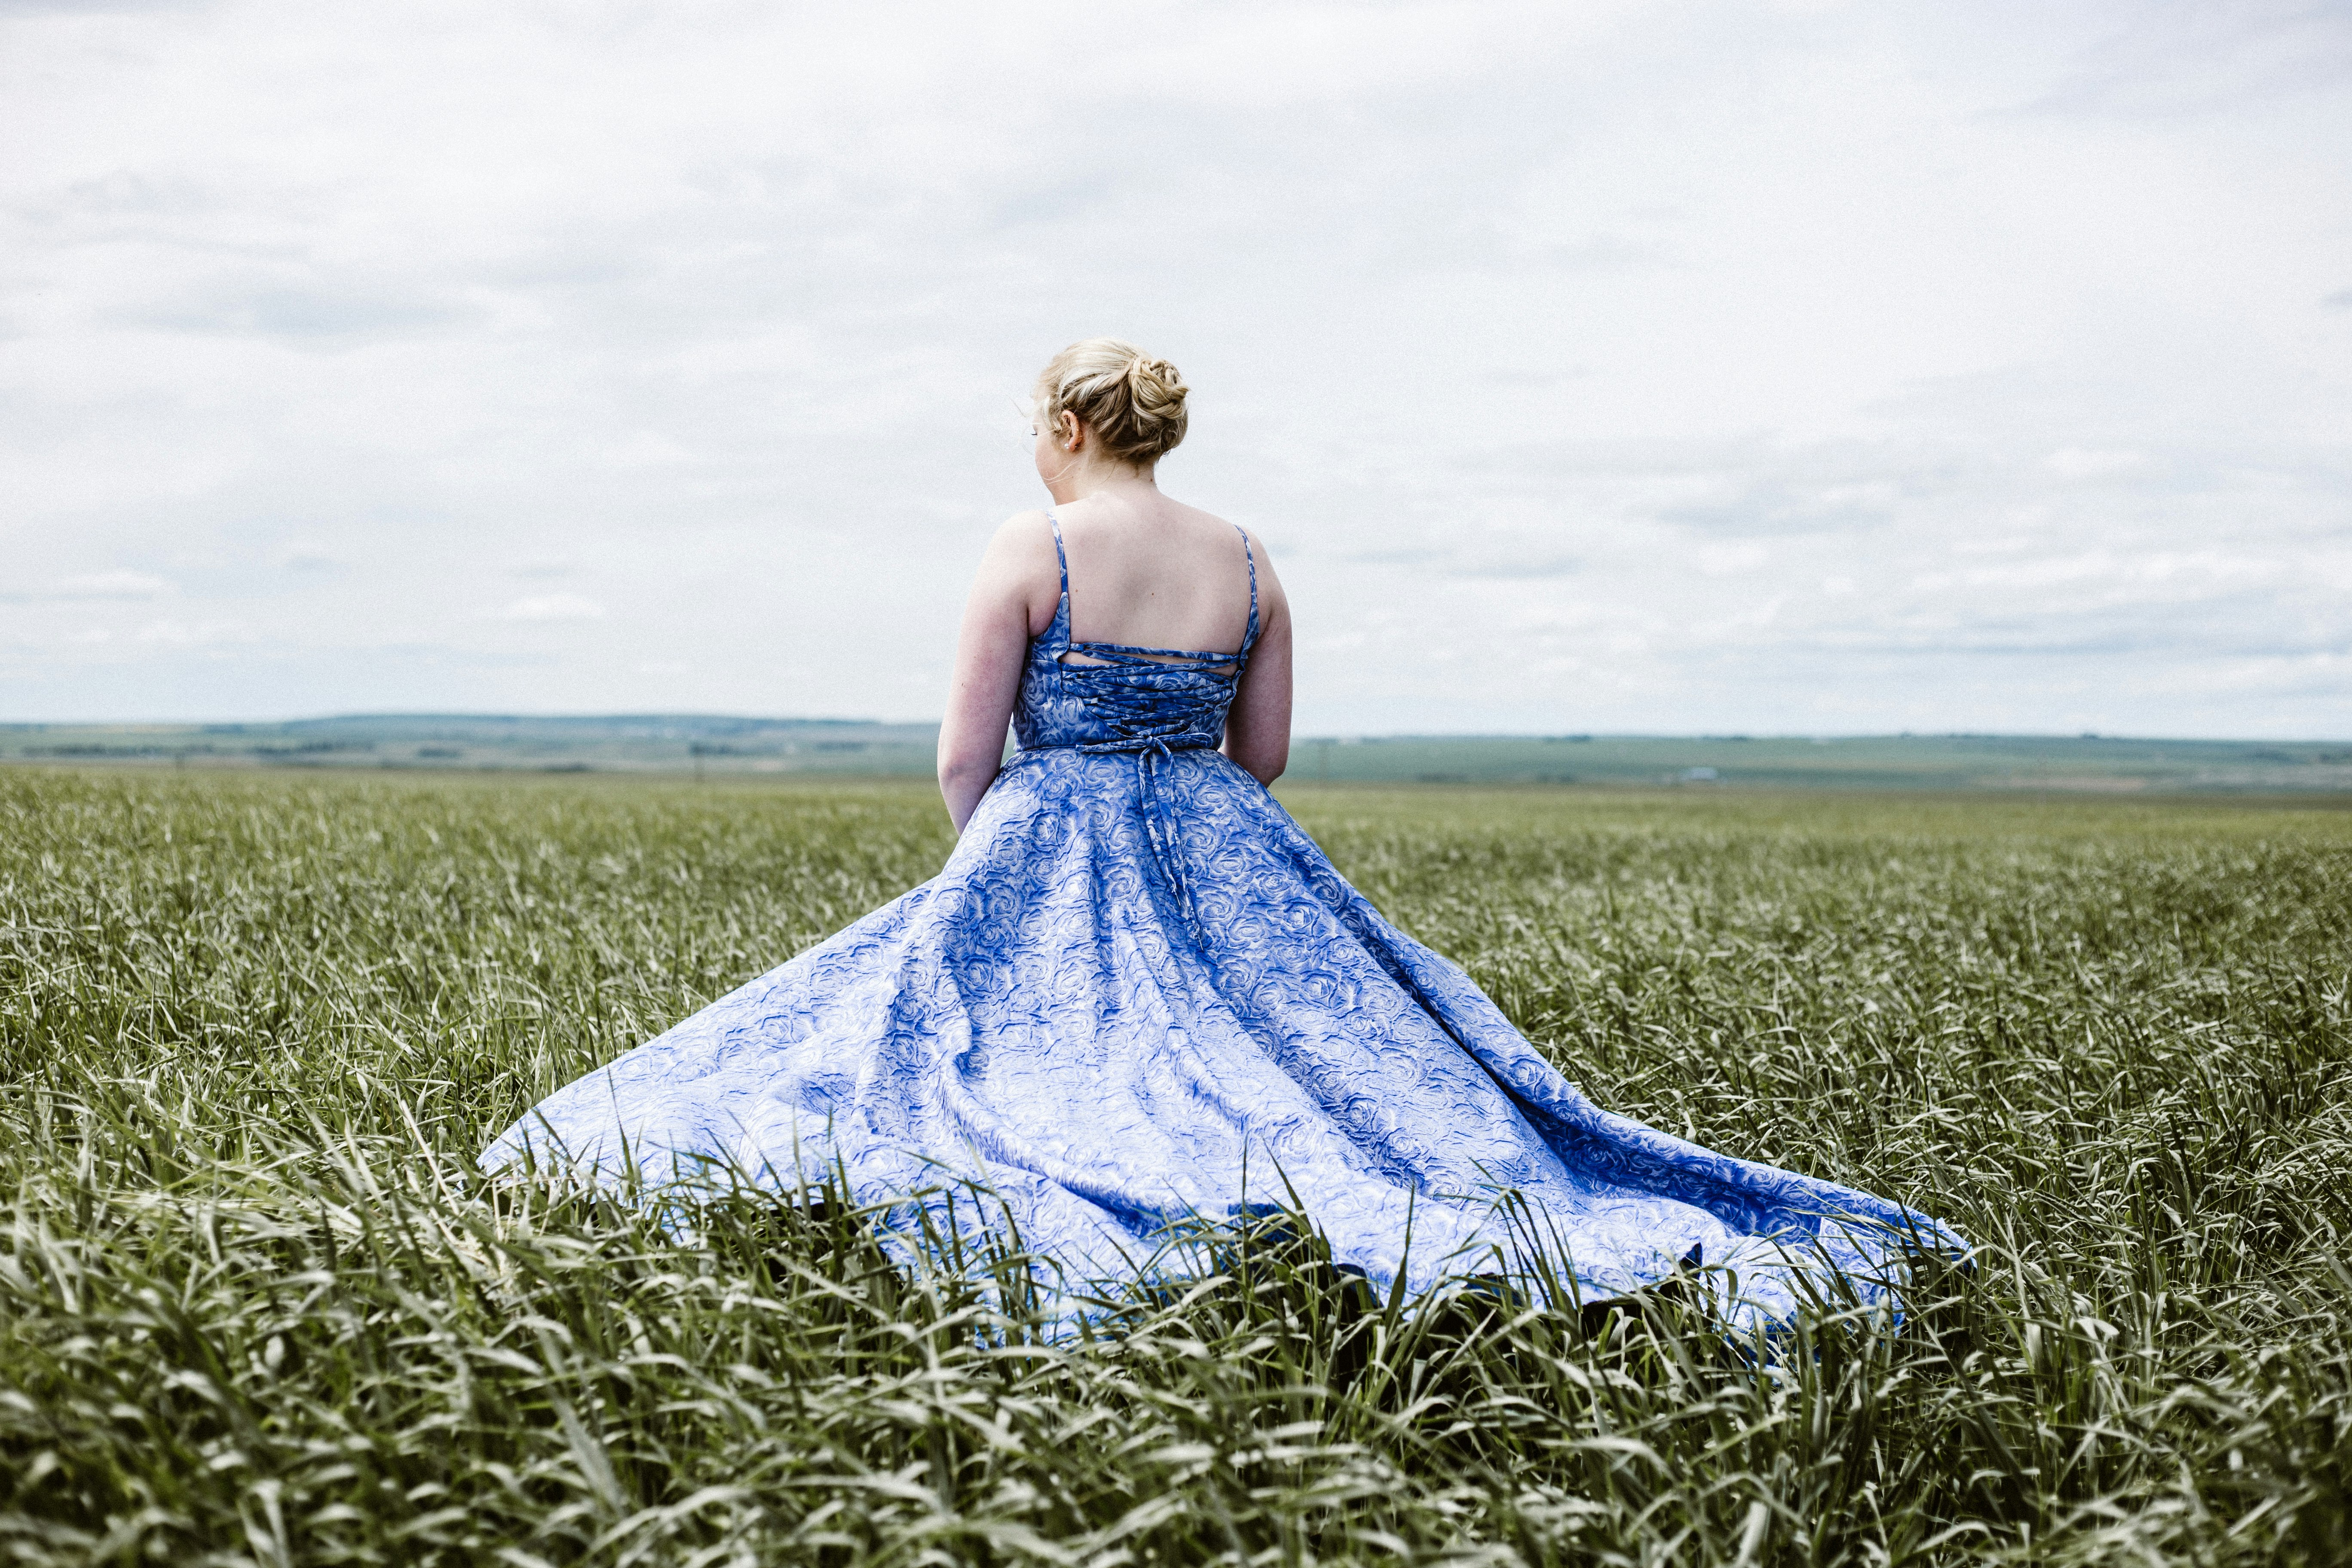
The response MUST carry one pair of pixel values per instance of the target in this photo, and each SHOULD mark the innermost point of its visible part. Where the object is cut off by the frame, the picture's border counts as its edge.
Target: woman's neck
(1085, 482)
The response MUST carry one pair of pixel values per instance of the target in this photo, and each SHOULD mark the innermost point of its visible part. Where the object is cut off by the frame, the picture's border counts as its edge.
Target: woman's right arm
(990, 651)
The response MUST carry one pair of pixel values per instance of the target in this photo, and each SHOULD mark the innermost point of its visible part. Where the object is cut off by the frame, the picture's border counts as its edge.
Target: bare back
(1160, 575)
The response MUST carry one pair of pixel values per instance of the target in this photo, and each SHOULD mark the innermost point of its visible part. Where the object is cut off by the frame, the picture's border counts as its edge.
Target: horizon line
(1297, 736)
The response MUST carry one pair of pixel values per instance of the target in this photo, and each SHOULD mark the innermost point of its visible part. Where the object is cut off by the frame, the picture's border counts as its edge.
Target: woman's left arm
(1257, 729)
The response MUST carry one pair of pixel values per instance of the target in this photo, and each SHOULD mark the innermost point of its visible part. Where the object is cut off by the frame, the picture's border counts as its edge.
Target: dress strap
(1249, 639)
(1062, 556)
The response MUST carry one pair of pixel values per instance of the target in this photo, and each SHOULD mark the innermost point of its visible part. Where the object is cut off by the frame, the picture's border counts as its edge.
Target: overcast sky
(1809, 368)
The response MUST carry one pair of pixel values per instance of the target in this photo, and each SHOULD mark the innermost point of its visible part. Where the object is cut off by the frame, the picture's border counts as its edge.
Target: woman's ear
(1074, 434)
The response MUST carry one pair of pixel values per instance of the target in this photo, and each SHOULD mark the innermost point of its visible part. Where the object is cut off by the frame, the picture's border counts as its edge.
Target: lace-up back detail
(1126, 698)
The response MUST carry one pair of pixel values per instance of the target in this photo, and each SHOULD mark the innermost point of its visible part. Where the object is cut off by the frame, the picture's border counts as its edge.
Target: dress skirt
(1138, 999)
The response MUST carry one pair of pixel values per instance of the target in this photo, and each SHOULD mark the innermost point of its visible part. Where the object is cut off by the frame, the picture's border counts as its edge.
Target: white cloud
(180, 634)
(648, 450)
(113, 585)
(1991, 357)
(2081, 463)
(297, 555)
(1731, 560)
(552, 607)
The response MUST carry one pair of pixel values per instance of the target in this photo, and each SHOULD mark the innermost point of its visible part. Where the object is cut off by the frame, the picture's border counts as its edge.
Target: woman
(1139, 996)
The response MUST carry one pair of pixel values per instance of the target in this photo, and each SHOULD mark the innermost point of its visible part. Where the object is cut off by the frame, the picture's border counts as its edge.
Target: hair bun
(1133, 403)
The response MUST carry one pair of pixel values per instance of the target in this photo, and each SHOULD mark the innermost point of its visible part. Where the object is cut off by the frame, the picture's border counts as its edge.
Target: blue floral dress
(1138, 997)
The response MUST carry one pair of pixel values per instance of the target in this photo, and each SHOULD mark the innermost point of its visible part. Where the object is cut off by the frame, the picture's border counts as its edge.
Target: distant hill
(619, 742)
(2092, 763)
(720, 743)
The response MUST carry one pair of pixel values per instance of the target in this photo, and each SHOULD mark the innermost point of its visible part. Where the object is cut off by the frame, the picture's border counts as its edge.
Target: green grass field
(256, 1307)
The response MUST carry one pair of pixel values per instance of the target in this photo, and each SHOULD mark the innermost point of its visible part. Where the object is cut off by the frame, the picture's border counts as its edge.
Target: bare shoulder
(1021, 569)
(1022, 548)
(1269, 582)
(1209, 521)
(1024, 533)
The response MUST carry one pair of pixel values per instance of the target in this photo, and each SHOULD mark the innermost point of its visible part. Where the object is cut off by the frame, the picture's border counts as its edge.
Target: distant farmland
(717, 744)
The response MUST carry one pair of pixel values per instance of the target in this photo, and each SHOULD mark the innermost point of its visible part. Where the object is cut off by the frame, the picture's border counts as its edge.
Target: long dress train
(1138, 996)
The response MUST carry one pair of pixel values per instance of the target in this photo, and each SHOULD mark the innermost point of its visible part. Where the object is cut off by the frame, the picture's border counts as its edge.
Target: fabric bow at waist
(1159, 824)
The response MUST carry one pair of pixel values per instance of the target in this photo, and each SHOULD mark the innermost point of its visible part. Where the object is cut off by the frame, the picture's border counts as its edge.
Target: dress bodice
(1136, 699)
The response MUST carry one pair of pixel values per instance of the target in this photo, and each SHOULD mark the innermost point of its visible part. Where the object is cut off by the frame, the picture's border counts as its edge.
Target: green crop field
(257, 1307)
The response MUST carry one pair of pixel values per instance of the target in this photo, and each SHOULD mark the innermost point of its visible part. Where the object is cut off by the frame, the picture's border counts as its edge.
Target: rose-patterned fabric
(1138, 997)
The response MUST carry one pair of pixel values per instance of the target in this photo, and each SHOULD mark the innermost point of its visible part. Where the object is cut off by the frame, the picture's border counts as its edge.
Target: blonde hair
(1134, 404)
